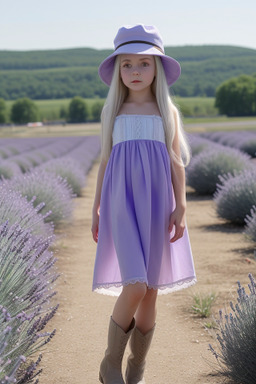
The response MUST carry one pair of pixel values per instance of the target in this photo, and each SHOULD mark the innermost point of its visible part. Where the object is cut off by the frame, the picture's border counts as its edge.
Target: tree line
(24, 110)
(89, 57)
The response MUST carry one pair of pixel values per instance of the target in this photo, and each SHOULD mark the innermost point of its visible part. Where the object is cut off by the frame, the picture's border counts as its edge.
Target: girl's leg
(120, 328)
(146, 312)
(127, 303)
(141, 338)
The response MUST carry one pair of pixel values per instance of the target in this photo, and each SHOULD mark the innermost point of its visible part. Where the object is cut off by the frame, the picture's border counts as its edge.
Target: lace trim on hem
(114, 289)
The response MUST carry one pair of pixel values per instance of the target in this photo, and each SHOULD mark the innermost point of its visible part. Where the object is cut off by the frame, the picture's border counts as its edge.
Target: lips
(136, 81)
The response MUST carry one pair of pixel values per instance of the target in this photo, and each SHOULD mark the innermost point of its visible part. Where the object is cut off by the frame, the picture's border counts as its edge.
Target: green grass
(197, 106)
(202, 304)
(211, 325)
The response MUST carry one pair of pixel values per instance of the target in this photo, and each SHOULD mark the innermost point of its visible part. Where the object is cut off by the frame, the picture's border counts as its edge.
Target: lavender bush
(250, 228)
(237, 355)
(43, 187)
(69, 169)
(199, 144)
(15, 208)
(86, 152)
(26, 288)
(236, 195)
(8, 169)
(5, 153)
(23, 163)
(205, 168)
(249, 146)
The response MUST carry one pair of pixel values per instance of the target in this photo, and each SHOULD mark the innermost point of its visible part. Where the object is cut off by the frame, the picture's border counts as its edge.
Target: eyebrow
(143, 58)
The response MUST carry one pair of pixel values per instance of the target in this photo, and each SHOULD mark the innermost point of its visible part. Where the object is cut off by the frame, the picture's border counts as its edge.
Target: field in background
(190, 106)
(50, 109)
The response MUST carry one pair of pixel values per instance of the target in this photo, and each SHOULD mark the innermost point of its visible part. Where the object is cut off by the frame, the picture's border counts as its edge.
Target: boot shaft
(139, 345)
(111, 365)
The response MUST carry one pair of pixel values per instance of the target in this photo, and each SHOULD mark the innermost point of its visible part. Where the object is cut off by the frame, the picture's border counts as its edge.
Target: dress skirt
(136, 203)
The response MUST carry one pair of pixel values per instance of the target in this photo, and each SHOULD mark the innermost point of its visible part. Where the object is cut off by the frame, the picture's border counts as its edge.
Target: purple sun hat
(139, 39)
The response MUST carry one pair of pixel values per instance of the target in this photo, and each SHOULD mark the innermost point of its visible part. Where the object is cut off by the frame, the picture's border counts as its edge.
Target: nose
(135, 71)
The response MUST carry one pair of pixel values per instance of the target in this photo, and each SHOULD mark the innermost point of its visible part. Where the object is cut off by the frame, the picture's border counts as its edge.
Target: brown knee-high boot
(136, 363)
(111, 365)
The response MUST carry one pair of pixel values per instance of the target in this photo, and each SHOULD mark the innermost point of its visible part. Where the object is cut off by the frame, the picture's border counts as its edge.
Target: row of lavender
(40, 178)
(243, 140)
(229, 174)
(223, 165)
(21, 155)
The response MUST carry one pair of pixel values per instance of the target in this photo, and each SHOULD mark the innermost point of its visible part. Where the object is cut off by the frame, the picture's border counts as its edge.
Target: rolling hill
(64, 73)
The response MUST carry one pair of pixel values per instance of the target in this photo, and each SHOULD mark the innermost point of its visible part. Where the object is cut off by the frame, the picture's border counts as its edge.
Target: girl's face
(137, 71)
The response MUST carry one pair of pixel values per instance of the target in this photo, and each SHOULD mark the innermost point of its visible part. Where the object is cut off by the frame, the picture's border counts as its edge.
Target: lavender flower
(250, 220)
(27, 277)
(16, 209)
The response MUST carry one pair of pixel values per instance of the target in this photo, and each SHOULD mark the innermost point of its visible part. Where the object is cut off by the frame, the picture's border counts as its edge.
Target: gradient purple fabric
(136, 202)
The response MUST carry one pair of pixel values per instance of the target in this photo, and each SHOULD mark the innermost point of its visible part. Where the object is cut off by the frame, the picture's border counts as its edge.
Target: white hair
(116, 96)
(169, 113)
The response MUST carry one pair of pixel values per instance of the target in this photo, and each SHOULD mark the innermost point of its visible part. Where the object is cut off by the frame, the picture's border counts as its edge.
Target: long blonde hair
(169, 112)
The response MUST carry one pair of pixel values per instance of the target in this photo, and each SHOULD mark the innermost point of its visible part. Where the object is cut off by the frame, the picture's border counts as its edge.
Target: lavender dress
(136, 202)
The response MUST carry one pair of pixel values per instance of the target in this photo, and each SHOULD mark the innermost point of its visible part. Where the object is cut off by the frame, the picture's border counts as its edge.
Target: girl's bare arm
(178, 218)
(96, 204)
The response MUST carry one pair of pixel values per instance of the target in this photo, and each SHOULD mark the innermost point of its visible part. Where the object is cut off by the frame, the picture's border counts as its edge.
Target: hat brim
(171, 66)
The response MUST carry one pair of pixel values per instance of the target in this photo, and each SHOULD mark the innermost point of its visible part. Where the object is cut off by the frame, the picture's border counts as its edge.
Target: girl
(138, 218)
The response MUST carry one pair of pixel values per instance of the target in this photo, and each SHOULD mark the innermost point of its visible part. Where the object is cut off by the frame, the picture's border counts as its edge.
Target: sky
(55, 24)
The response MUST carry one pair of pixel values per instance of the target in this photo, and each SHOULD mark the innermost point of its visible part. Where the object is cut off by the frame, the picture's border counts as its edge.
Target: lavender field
(39, 178)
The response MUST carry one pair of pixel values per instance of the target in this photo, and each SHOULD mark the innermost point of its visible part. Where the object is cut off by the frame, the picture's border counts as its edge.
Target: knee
(151, 295)
(135, 292)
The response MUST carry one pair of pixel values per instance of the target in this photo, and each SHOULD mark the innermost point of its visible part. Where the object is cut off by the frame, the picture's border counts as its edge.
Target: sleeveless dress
(136, 202)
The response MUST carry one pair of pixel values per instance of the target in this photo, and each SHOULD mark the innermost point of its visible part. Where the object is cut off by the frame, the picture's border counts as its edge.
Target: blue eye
(145, 64)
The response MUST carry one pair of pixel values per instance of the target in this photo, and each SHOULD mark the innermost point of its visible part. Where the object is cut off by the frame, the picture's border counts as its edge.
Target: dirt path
(179, 351)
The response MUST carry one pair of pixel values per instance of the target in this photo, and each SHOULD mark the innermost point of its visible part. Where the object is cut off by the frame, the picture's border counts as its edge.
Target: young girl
(138, 218)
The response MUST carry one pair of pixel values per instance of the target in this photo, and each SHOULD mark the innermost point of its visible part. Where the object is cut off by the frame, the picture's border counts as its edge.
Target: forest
(59, 74)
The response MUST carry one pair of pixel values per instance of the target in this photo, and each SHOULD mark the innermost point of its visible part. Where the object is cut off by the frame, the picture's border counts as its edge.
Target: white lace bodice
(138, 127)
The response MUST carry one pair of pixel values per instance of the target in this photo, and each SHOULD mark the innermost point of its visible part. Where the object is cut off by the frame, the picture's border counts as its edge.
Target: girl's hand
(178, 220)
(95, 226)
